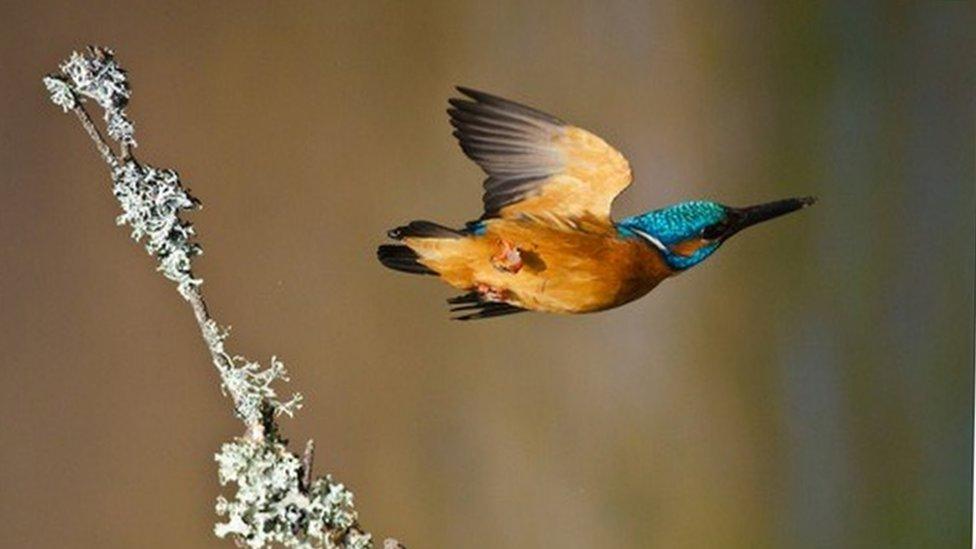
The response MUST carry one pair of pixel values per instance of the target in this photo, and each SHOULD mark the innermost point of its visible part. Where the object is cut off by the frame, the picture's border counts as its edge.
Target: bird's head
(688, 232)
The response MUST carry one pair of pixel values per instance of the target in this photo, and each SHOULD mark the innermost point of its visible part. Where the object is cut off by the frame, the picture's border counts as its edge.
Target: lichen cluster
(96, 76)
(152, 201)
(248, 384)
(267, 476)
(276, 500)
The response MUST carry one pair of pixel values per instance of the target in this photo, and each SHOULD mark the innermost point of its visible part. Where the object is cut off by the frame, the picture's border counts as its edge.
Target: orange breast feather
(567, 271)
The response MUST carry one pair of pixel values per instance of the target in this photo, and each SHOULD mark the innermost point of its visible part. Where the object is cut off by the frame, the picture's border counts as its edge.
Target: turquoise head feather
(687, 233)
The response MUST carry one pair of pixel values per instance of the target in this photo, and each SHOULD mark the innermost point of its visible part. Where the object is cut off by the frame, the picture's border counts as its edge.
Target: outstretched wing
(537, 165)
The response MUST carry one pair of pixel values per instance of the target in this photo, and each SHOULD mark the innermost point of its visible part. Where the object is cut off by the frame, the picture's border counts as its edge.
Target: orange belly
(562, 270)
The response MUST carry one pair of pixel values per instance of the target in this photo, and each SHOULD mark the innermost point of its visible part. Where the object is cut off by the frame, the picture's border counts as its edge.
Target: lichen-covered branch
(276, 500)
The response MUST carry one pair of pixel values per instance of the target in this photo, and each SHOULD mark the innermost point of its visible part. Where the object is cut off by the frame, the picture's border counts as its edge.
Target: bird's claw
(508, 259)
(489, 293)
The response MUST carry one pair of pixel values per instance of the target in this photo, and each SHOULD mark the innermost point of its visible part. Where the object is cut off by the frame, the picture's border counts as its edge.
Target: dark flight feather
(401, 258)
(473, 301)
(423, 229)
(511, 142)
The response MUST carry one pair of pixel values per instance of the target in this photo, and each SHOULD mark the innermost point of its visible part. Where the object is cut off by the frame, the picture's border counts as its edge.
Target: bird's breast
(572, 271)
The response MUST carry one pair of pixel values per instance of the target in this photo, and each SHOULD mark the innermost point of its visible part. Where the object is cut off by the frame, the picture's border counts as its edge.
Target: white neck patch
(657, 243)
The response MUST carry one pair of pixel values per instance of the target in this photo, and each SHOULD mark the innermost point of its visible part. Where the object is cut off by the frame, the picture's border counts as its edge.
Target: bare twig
(307, 459)
(96, 136)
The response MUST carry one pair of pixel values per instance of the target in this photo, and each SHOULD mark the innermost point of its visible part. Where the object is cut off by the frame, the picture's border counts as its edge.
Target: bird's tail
(402, 257)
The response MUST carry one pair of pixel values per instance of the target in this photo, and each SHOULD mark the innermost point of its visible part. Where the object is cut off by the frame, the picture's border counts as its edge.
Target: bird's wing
(537, 164)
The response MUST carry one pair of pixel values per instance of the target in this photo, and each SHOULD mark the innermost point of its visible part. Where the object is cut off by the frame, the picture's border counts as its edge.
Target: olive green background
(810, 385)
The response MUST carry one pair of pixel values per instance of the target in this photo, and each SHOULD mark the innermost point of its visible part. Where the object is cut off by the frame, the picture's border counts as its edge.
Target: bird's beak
(751, 215)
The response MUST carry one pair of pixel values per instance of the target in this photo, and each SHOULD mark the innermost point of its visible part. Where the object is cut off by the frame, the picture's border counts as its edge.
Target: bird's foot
(489, 293)
(508, 258)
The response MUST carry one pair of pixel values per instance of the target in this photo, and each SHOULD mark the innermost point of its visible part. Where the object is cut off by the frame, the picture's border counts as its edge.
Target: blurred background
(809, 386)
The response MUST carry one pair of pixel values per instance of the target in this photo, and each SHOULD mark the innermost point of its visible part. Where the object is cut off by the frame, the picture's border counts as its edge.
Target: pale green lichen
(152, 201)
(276, 501)
(119, 127)
(270, 505)
(248, 384)
(97, 76)
(60, 92)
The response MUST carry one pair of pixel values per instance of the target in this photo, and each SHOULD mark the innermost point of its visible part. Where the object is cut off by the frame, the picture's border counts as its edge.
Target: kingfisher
(546, 241)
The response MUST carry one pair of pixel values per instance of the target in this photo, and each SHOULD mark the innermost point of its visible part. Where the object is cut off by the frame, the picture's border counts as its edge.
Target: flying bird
(546, 241)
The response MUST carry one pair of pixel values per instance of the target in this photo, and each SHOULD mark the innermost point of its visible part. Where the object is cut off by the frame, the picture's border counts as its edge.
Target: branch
(277, 500)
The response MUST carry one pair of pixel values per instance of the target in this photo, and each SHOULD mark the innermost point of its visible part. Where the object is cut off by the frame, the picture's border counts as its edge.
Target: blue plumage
(681, 222)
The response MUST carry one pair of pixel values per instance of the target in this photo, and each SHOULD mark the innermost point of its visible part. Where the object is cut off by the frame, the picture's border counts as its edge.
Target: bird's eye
(715, 230)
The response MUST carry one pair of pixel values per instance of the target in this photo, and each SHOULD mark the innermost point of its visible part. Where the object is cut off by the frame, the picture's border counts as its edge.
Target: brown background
(809, 386)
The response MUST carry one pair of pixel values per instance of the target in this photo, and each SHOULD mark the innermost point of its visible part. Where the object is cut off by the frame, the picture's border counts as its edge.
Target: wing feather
(473, 306)
(536, 163)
